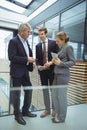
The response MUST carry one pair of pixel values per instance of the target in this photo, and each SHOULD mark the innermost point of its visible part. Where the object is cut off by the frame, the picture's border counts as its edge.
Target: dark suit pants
(46, 77)
(17, 82)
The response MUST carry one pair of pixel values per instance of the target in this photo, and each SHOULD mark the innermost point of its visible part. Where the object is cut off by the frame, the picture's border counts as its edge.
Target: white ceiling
(18, 11)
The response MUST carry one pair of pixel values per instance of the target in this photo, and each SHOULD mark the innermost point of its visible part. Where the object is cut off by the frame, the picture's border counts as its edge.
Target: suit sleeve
(14, 55)
(30, 65)
(37, 56)
(70, 56)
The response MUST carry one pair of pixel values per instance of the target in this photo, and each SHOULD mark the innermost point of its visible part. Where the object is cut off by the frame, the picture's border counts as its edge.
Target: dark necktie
(44, 53)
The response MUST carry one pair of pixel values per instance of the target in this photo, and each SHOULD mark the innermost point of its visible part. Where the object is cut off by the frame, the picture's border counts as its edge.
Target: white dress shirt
(24, 42)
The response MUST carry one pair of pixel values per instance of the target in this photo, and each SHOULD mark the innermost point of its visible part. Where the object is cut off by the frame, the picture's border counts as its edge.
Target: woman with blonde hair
(61, 76)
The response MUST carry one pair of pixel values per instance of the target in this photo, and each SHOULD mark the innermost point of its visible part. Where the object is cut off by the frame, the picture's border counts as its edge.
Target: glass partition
(5, 36)
(72, 22)
(74, 96)
(53, 27)
(35, 38)
(4, 86)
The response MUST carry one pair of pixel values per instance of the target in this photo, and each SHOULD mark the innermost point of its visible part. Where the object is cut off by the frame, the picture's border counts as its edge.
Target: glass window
(5, 36)
(35, 38)
(53, 26)
(72, 22)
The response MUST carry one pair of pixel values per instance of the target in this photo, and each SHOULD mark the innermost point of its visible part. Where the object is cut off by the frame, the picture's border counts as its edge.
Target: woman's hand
(56, 61)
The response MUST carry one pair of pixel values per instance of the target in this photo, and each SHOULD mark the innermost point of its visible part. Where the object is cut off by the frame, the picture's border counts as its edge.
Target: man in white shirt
(21, 62)
(43, 55)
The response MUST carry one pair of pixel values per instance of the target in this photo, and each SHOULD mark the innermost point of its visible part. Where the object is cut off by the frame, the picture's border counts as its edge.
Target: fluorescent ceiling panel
(41, 8)
(11, 6)
(24, 2)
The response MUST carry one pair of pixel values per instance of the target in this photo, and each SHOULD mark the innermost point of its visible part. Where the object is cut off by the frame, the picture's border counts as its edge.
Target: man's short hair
(24, 26)
(43, 29)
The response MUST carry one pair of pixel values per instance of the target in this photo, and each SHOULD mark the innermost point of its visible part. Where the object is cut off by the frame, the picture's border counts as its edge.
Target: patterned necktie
(44, 53)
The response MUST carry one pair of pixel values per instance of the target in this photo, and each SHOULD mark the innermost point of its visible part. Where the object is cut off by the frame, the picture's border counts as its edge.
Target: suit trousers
(59, 94)
(46, 77)
(18, 82)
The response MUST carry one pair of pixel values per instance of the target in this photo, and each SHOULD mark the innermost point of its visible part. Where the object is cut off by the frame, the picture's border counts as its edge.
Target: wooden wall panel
(77, 90)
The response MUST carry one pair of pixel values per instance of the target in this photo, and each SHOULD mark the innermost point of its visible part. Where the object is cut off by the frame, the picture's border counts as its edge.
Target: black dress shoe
(29, 114)
(20, 120)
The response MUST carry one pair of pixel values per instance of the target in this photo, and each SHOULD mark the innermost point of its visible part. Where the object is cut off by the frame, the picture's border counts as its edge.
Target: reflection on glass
(4, 93)
(52, 26)
(78, 50)
(72, 22)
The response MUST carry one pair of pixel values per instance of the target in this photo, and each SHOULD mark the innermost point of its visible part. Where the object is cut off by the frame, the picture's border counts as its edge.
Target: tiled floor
(76, 120)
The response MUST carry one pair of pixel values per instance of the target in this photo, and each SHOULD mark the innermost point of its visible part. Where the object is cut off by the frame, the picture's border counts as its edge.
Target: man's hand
(31, 59)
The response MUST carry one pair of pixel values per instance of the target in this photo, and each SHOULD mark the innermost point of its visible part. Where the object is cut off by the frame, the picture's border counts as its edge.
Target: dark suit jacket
(17, 57)
(52, 47)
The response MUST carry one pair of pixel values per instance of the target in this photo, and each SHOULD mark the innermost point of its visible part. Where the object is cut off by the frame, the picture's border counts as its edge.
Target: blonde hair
(63, 36)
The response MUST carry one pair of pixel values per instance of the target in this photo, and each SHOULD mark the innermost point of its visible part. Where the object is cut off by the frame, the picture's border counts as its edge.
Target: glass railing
(4, 93)
(4, 86)
(6, 96)
(76, 92)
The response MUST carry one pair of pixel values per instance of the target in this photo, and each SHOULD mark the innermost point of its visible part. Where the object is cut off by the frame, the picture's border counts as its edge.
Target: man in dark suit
(21, 62)
(43, 55)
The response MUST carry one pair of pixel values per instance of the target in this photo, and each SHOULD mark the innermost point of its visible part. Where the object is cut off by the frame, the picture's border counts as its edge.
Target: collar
(23, 40)
(46, 41)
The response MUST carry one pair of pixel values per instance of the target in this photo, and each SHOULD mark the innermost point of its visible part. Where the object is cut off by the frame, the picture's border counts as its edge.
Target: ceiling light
(24, 2)
(11, 6)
